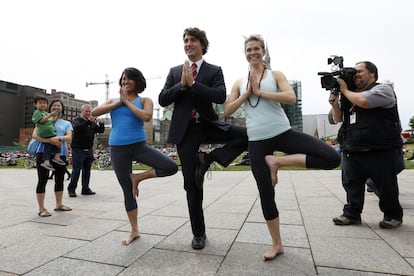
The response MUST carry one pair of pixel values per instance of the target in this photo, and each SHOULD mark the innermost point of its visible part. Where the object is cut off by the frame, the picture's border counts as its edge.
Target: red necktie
(194, 72)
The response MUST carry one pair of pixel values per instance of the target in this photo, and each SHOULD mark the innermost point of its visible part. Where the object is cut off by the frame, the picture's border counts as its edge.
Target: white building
(318, 125)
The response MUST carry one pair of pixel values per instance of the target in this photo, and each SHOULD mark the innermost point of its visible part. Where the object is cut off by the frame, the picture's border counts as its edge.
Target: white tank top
(267, 119)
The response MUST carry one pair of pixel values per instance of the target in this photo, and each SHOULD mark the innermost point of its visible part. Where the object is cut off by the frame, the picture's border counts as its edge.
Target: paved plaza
(87, 240)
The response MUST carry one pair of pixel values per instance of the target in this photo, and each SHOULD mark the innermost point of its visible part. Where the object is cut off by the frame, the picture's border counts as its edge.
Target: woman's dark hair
(135, 75)
(54, 101)
(199, 35)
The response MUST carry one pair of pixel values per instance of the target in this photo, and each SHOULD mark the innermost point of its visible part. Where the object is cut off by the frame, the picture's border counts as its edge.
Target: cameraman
(370, 143)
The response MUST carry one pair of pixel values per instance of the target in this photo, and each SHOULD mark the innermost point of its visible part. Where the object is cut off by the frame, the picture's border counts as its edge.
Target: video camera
(328, 79)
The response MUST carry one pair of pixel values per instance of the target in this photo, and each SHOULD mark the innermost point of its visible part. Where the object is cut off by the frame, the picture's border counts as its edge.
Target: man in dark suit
(193, 88)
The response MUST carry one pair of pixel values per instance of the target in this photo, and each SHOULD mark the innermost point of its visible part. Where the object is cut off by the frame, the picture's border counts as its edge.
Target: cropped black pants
(318, 156)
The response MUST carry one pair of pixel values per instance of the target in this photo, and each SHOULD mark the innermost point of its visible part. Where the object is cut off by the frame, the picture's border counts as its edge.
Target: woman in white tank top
(269, 130)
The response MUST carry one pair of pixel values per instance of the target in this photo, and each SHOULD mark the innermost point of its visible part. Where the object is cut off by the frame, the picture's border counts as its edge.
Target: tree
(411, 123)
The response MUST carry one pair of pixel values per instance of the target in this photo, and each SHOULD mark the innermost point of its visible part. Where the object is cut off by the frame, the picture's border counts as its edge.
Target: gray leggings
(122, 157)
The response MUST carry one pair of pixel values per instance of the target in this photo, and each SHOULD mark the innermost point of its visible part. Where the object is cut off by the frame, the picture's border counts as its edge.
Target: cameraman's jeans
(400, 168)
(382, 167)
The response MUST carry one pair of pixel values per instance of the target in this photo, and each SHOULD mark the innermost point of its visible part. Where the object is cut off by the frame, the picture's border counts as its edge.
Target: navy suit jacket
(208, 88)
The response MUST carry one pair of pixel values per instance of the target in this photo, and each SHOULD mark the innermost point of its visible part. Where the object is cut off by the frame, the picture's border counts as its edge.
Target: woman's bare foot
(131, 237)
(135, 178)
(272, 163)
(273, 252)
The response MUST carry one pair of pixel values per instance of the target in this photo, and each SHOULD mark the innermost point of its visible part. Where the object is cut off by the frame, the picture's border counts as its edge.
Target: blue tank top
(267, 119)
(126, 127)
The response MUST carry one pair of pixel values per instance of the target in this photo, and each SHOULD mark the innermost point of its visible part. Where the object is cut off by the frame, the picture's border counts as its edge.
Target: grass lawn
(217, 167)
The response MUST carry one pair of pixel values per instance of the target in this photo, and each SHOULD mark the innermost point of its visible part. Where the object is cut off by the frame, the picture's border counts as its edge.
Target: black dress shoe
(344, 220)
(203, 163)
(89, 192)
(72, 194)
(199, 242)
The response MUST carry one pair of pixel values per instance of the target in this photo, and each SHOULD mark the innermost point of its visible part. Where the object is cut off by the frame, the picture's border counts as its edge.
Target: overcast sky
(64, 44)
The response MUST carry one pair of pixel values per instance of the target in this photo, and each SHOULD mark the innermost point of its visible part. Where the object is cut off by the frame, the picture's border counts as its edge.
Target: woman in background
(64, 131)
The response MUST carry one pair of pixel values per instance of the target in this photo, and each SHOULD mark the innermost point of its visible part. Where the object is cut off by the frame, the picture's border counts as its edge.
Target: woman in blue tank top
(128, 142)
(269, 130)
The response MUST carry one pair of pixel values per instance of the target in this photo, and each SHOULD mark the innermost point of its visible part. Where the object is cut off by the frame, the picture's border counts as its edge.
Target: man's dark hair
(371, 67)
(135, 75)
(199, 35)
(39, 98)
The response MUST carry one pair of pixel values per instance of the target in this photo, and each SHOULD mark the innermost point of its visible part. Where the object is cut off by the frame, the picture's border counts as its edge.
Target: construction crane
(107, 83)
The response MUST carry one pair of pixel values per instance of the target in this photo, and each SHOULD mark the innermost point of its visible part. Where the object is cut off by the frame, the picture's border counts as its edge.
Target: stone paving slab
(240, 204)
(109, 250)
(325, 228)
(257, 233)
(358, 254)
(18, 233)
(410, 261)
(326, 271)
(402, 241)
(224, 220)
(255, 214)
(159, 225)
(75, 268)
(169, 262)
(244, 259)
(218, 241)
(177, 209)
(25, 256)
(11, 215)
(87, 240)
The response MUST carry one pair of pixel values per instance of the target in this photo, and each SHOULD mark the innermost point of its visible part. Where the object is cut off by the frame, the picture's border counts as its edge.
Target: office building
(16, 109)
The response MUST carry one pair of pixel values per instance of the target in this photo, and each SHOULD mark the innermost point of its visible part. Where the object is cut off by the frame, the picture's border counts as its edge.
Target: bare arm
(234, 101)
(67, 137)
(106, 107)
(355, 98)
(49, 115)
(52, 140)
(144, 114)
(335, 111)
(285, 95)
